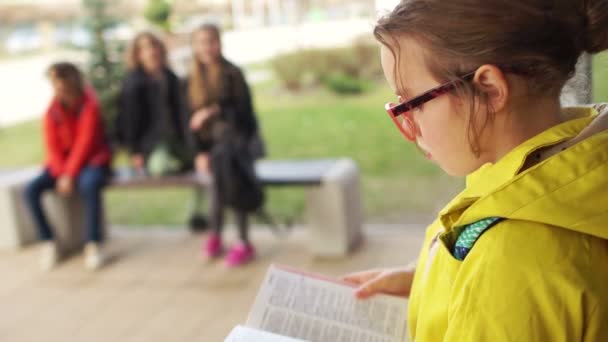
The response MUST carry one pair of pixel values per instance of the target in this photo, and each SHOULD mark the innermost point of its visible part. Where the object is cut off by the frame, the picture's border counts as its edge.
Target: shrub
(290, 70)
(158, 13)
(345, 84)
(342, 70)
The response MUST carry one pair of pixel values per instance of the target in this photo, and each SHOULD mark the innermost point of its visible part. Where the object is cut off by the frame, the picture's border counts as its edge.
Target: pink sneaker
(213, 247)
(240, 254)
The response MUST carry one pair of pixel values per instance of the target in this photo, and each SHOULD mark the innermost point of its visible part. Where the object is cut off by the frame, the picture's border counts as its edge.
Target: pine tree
(105, 70)
(158, 12)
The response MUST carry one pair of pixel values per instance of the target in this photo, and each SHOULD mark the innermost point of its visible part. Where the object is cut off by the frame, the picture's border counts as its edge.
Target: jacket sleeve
(55, 157)
(241, 105)
(182, 109)
(178, 109)
(87, 130)
(131, 107)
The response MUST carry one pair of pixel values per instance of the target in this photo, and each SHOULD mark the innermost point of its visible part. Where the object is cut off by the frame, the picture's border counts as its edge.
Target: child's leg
(33, 197)
(213, 248)
(243, 251)
(198, 220)
(197, 200)
(242, 221)
(216, 210)
(90, 183)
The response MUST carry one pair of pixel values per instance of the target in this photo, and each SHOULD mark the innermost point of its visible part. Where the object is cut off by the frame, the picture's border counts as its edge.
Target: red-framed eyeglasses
(401, 113)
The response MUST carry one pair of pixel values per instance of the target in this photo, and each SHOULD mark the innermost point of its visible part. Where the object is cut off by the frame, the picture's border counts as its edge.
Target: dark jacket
(141, 124)
(233, 142)
(236, 108)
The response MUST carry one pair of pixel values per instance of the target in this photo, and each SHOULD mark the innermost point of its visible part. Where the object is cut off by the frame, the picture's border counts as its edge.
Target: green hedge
(342, 70)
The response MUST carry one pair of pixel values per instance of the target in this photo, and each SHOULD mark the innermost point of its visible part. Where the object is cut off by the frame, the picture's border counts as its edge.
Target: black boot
(198, 223)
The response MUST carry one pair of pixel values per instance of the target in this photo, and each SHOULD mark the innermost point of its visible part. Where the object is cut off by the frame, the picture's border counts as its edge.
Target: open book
(293, 306)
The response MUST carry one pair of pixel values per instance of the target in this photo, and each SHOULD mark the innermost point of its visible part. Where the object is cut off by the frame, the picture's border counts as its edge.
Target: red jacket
(75, 138)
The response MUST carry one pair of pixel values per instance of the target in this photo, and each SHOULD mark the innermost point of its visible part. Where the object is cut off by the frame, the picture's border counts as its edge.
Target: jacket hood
(568, 190)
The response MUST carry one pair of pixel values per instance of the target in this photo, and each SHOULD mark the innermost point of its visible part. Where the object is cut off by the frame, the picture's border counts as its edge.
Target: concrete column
(47, 31)
(259, 14)
(274, 9)
(238, 13)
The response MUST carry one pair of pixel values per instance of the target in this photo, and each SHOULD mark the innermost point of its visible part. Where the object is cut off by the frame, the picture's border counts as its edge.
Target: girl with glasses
(521, 253)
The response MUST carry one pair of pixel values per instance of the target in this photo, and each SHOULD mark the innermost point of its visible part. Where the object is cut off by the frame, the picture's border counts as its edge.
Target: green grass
(397, 181)
(21, 145)
(600, 77)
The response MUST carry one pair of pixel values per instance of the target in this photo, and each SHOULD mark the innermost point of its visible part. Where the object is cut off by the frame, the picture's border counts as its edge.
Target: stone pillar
(292, 10)
(259, 14)
(275, 12)
(46, 29)
(334, 212)
(238, 13)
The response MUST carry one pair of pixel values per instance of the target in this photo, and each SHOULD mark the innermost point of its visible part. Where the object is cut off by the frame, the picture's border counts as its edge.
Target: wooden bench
(333, 204)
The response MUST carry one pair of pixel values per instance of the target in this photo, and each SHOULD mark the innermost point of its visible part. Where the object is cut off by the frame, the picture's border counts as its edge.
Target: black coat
(140, 120)
(236, 108)
(234, 143)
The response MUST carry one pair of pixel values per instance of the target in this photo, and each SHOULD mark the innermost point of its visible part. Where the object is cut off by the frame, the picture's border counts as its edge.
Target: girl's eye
(418, 109)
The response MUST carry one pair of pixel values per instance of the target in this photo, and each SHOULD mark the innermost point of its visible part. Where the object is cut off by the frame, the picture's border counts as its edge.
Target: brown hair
(70, 74)
(200, 80)
(133, 61)
(540, 40)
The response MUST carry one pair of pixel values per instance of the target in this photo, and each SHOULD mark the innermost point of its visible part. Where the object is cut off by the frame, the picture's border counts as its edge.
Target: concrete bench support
(334, 211)
(65, 214)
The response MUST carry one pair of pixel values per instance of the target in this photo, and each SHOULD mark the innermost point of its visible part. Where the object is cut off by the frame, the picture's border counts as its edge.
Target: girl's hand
(198, 119)
(397, 282)
(202, 115)
(65, 185)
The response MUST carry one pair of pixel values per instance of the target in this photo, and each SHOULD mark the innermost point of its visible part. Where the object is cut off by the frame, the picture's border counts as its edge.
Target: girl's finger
(359, 277)
(370, 288)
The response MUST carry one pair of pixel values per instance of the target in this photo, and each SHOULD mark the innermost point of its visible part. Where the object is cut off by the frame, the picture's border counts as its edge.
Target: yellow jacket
(539, 275)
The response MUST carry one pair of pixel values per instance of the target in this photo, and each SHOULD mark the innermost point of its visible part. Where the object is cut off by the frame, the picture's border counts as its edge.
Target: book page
(244, 334)
(319, 310)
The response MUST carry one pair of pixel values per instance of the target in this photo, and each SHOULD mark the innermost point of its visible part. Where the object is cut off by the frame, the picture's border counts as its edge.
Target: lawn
(600, 77)
(398, 184)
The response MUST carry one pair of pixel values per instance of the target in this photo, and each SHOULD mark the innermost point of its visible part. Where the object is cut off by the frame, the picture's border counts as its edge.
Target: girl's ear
(491, 81)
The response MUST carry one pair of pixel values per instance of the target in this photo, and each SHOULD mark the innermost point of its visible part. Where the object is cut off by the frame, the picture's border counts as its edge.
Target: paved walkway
(156, 289)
